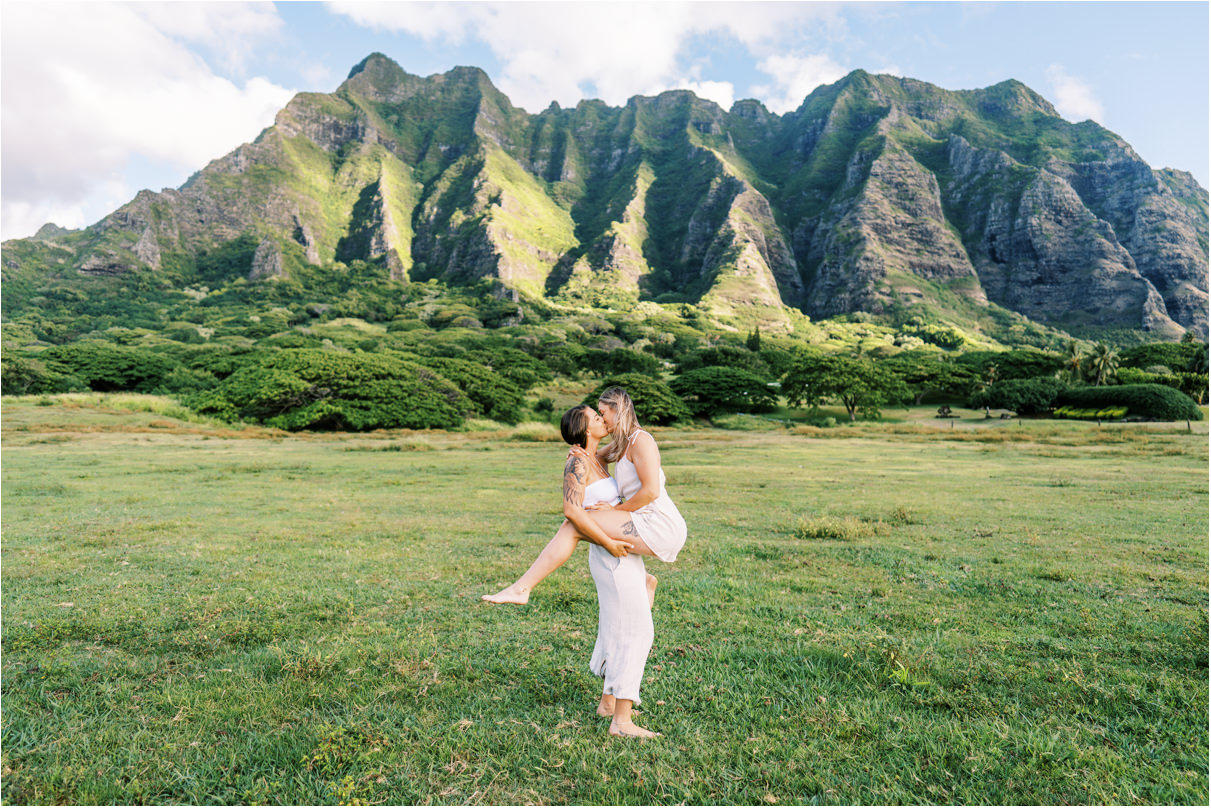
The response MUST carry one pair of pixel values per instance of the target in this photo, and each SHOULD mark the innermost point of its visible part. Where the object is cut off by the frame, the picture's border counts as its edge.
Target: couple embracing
(624, 517)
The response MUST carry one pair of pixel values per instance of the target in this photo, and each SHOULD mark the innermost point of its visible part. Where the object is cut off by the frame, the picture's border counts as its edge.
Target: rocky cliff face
(876, 194)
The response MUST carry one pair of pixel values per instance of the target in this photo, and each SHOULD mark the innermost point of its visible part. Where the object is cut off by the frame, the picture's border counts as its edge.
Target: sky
(99, 100)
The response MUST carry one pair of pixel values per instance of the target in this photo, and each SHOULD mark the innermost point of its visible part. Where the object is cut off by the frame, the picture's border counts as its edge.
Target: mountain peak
(878, 192)
(375, 61)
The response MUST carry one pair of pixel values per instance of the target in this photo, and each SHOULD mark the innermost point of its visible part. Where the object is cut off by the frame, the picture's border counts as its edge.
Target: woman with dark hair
(624, 623)
(647, 523)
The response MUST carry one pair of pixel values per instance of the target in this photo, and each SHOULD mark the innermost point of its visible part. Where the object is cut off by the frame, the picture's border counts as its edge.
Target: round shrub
(326, 390)
(494, 396)
(27, 375)
(517, 366)
(1141, 400)
(711, 391)
(727, 356)
(655, 403)
(1023, 396)
(621, 360)
(109, 368)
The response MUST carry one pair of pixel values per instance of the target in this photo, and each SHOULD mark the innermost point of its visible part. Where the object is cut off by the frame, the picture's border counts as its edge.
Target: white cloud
(1074, 99)
(87, 88)
(608, 50)
(231, 31)
(794, 79)
(722, 93)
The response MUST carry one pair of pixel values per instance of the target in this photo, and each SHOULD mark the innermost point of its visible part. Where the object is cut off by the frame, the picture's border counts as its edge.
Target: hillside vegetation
(980, 209)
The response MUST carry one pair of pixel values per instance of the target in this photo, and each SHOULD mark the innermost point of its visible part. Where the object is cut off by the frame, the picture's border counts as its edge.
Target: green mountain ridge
(878, 194)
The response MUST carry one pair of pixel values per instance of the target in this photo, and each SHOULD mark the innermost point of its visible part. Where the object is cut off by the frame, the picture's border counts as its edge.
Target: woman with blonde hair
(646, 522)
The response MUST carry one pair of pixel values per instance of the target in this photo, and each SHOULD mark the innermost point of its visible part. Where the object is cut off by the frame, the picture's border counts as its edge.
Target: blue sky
(99, 100)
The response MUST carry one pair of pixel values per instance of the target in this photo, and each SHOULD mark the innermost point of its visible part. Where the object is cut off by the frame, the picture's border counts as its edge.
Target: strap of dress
(631, 439)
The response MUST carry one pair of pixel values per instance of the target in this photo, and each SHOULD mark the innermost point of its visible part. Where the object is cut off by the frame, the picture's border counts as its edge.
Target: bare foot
(630, 729)
(651, 582)
(517, 597)
(605, 708)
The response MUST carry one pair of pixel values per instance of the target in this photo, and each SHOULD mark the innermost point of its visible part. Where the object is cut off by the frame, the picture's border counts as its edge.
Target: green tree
(1025, 363)
(925, 373)
(655, 403)
(1074, 362)
(621, 360)
(494, 396)
(1103, 363)
(27, 375)
(108, 368)
(860, 385)
(710, 391)
(328, 390)
(726, 356)
(1023, 396)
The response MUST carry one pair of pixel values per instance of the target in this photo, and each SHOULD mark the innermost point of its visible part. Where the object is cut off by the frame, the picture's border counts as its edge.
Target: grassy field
(921, 612)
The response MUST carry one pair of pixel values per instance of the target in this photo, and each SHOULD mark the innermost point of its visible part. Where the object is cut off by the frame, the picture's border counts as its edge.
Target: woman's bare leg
(605, 707)
(553, 556)
(623, 727)
(617, 525)
(651, 586)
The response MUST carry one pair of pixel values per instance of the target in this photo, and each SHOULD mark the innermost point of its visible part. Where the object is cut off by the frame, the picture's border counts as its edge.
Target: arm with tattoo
(575, 472)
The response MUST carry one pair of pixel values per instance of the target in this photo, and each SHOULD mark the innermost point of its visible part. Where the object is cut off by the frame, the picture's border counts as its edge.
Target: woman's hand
(578, 451)
(617, 548)
(599, 506)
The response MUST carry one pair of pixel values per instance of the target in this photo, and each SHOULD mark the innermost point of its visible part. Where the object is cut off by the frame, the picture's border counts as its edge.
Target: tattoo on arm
(573, 481)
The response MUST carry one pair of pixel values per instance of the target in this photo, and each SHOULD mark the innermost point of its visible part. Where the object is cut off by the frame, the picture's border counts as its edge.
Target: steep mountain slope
(878, 194)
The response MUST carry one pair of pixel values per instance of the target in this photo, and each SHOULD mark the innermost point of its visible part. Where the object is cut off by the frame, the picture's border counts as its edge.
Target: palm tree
(1074, 361)
(1103, 362)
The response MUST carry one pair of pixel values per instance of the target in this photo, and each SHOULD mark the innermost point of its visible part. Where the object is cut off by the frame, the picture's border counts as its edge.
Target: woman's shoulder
(642, 435)
(642, 440)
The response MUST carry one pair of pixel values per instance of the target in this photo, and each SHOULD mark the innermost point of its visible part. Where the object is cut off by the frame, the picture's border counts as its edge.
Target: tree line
(416, 377)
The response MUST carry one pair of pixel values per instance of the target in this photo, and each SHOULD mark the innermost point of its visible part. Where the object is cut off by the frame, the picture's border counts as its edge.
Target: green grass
(909, 612)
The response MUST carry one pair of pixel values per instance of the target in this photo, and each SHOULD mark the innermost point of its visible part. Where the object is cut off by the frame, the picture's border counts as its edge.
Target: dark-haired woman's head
(579, 424)
(574, 426)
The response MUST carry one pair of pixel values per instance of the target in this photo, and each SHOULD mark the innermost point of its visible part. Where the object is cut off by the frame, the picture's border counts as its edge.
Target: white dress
(659, 522)
(624, 618)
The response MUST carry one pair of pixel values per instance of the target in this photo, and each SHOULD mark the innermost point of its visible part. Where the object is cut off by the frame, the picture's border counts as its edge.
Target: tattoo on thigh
(629, 529)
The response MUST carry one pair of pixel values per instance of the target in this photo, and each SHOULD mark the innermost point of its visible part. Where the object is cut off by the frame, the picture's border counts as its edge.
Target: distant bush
(778, 361)
(1192, 384)
(27, 375)
(943, 336)
(109, 368)
(710, 391)
(727, 356)
(519, 367)
(564, 358)
(1141, 400)
(494, 396)
(621, 360)
(1173, 355)
(655, 403)
(1023, 396)
(326, 390)
(1020, 364)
